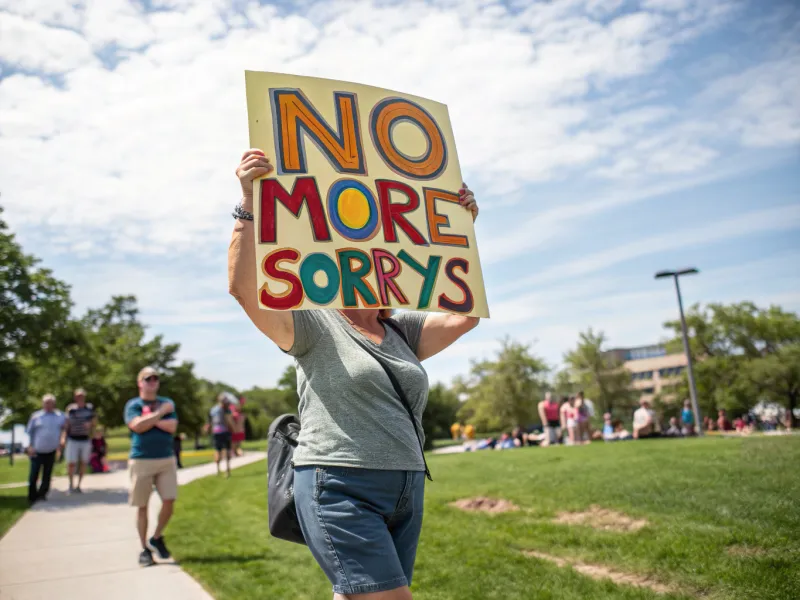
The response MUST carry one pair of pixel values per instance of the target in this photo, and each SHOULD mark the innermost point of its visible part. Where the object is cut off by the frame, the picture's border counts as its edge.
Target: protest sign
(362, 209)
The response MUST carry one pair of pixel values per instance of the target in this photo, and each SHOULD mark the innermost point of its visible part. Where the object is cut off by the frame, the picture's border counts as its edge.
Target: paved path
(85, 547)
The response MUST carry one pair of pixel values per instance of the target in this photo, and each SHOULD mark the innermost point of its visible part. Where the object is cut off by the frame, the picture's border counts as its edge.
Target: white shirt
(642, 415)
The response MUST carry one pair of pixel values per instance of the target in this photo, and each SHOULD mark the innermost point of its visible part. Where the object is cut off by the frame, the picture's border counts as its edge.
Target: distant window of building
(670, 372)
(645, 352)
(648, 390)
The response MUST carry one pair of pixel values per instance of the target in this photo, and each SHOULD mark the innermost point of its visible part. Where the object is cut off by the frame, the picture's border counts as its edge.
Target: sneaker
(146, 558)
(78, 490)
(160, 547)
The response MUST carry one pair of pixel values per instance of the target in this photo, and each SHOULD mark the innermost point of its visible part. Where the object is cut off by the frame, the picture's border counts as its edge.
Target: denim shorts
(362, 525)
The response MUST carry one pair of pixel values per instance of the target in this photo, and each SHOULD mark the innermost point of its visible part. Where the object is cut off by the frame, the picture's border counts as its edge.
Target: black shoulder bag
(281, 442)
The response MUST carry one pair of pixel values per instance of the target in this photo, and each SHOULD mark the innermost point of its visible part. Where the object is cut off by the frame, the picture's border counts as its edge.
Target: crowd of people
(155, 449)
(567, 421)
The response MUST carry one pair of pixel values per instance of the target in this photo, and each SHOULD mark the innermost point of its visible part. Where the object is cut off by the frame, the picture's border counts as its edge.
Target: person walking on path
(221, 423)
(152, 421)
(81, 421)
(238, 434)
(359, 476)
(45, 432)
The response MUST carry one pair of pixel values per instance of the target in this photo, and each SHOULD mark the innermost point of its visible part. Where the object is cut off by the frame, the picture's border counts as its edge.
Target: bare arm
(142, 424)
(242, 282)
(440, 331)
(168, 425)
(542, 415)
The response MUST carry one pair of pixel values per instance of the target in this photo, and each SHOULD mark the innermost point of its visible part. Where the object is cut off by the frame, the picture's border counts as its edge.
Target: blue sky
(605, 140)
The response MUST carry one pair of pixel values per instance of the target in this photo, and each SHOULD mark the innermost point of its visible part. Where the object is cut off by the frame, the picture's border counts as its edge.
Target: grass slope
(703, 499)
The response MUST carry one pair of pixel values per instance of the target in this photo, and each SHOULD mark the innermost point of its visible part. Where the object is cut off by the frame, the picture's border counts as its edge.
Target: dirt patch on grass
(602, 572)
(746, 551)
(488, 505)
(601, 518)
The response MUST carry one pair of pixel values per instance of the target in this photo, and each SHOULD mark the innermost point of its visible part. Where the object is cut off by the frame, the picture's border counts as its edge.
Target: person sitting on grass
(608, 428)
(506, 442)
(674, 429)
(723, 423)
(97, 460)
(520, 437)
(487, 444)
(687, 418)
(644, 422)
(621, 432)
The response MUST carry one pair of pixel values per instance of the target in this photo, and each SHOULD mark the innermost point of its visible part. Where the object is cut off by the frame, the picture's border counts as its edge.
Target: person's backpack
(281, 442)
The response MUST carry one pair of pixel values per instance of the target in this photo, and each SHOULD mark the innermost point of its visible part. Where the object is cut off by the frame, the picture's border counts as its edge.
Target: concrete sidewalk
(85, 546)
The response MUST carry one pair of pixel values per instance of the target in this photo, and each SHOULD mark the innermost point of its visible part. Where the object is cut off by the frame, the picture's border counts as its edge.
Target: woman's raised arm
(242, 282)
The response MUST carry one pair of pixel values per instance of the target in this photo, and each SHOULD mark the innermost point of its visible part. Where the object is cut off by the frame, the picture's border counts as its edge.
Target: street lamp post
(690, 370)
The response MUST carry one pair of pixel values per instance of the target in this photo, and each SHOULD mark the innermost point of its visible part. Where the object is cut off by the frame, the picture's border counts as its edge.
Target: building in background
(653, 371)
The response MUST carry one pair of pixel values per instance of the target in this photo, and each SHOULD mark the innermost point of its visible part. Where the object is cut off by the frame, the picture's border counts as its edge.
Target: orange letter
(385, 116)
(293, 115)
(435, 220)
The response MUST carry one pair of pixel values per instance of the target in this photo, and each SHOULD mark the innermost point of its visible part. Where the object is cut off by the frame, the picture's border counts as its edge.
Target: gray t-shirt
(350, 414)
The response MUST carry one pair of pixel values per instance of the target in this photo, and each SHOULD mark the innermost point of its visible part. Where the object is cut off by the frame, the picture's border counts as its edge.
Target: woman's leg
(343, 513)
(402, 593)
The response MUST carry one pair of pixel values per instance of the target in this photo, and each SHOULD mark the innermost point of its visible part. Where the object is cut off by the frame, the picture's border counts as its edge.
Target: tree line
(743, 355)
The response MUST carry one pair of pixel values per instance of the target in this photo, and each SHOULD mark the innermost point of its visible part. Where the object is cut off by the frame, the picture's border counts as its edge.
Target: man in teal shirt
(152, 422)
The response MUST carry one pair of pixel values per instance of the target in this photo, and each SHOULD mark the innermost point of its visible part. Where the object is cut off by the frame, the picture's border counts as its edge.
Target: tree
(743, 354)
(505, 392)
(34, 309)
(266, 404)
(778, 375)
(180, 384)
(564, 385)
(601, 375)
(440, 414)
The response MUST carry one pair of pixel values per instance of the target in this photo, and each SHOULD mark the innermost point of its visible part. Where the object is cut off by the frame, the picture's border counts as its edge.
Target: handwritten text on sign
(363, 208)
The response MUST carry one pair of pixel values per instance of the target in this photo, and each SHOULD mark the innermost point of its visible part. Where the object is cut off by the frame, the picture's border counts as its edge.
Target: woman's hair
(385, 313)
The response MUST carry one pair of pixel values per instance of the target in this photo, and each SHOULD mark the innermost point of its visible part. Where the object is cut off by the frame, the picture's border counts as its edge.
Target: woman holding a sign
(359, 466)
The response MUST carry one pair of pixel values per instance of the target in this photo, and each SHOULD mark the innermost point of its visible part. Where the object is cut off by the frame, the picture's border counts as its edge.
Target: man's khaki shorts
(147, 472)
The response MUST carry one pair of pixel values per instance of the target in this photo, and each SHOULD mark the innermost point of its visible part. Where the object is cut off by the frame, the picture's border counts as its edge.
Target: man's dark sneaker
(146, 558)
(160, 547)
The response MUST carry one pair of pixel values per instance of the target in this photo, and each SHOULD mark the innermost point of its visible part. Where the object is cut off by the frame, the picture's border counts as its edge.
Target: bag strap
(401, 394)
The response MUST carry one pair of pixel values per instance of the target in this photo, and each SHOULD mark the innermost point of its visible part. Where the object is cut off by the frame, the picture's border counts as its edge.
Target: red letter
(468, 302)
(386, 282)
(305, 189)
(393, 213)
(291, 298)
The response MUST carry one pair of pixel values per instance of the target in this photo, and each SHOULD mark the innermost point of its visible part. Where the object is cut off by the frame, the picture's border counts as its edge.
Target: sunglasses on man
(151, 378)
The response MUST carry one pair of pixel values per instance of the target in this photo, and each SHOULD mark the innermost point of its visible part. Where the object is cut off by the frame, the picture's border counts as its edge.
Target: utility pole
(690, 370)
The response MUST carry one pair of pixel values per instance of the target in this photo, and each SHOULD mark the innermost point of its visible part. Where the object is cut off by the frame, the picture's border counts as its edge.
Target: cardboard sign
(362, 209)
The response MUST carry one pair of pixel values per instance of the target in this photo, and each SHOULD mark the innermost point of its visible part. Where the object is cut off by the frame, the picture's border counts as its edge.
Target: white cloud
(31, 46)
(782, 218)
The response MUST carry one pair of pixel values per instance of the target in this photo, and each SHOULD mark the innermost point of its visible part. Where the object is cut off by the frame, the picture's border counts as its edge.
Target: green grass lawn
(723, 521)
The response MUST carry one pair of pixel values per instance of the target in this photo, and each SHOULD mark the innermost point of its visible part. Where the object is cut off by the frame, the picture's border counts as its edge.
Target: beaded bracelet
(241, 213)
